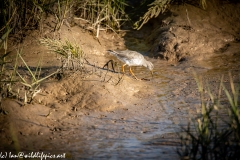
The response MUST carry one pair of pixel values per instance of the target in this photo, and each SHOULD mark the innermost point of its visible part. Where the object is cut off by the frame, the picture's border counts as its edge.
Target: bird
(132, 58)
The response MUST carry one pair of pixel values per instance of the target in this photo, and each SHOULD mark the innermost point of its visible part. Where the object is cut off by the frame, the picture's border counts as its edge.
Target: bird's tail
(112, 52)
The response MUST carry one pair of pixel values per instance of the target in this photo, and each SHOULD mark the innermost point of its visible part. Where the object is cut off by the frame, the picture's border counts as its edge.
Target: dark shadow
(142, 40)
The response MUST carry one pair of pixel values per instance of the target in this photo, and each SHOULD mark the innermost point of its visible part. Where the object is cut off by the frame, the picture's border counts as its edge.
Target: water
(136, 133)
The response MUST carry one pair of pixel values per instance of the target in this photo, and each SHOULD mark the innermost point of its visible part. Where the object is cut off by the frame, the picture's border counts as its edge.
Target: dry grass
(102, 14)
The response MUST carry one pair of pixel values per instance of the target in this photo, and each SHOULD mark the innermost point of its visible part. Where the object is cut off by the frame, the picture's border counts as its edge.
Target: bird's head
(150, 66)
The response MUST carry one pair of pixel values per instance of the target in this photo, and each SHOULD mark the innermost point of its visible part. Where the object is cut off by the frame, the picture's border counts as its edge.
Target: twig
(188, 18)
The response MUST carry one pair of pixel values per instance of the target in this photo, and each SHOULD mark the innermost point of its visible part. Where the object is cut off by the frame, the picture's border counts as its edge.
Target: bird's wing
(131, 54)
(124, 56)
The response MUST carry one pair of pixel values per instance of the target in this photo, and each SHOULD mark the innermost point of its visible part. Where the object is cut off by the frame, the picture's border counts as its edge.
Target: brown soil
(104, 115)
(190, 31)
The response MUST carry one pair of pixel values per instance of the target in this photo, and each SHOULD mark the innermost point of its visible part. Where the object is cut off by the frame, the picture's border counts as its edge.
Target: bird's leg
(123, 68)
(107, 65)
(113, 65)
(133, 73)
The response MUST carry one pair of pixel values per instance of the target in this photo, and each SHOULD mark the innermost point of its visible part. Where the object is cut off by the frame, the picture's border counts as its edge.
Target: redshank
(132, 58)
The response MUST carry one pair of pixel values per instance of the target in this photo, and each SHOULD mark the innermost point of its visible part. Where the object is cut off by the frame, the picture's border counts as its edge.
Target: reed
(210, 135)
(10, 80)
(20, 15)
(102, 13)
(32, 85)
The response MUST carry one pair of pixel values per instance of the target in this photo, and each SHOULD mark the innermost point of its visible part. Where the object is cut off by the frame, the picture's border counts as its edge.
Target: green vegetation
(63, 49)
(32, 85)
(214, 135)
(20, 15)
(72, 57)
(155, 8)
(71, 54)
(11, 78)
(23, 15)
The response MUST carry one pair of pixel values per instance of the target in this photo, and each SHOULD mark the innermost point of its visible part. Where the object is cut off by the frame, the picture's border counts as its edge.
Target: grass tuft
(71, 54)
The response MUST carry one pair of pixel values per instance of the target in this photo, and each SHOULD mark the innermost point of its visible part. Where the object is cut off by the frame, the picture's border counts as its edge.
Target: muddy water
(143, 132)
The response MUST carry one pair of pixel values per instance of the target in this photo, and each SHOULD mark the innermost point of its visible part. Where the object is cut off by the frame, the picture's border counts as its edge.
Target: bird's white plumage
(132, 58)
